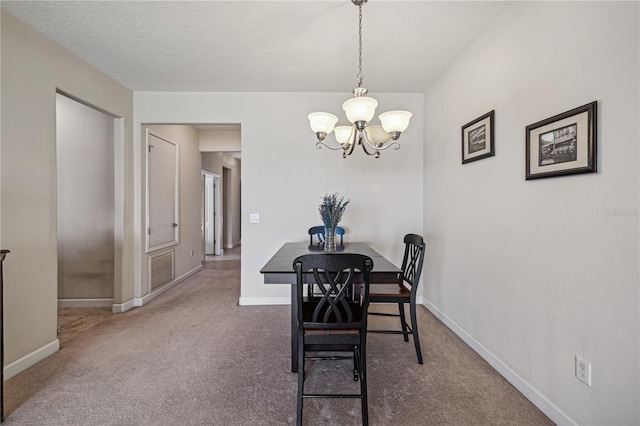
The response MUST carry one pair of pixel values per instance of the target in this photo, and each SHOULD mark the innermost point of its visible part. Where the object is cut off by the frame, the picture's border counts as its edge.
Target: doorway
(227, 214)
(211, 218)
(86, 215)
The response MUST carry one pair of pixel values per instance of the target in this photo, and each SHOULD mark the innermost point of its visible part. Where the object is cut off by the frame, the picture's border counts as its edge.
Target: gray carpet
(194, 357)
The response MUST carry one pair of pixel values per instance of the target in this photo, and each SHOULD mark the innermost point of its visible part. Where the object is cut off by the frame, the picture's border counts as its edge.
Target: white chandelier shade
(395, 121)
(360, 110)
(343, 134)
(322, 122)
(376, 134)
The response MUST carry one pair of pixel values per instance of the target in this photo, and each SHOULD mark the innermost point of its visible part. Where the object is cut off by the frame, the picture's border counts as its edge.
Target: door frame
(217, 217)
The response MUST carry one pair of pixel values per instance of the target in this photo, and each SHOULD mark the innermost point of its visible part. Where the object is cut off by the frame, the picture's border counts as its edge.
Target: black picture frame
(564, 144)
(478, 138)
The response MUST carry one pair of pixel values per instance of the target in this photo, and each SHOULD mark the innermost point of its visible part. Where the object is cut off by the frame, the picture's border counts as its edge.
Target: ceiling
(263, 46)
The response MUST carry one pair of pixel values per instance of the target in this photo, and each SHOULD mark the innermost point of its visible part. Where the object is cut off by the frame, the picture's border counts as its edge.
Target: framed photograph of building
(563, 144)
(477, 139)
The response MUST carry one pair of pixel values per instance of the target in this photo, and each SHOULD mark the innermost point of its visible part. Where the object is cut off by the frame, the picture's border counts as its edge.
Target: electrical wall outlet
(254, 218)
(583, 371)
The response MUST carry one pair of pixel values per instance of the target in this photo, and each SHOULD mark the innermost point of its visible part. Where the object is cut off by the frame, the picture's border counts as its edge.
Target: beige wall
(220, 140)
(33, 69)
(215, 162)
(190, 203)
(284, 175)
(533, 273)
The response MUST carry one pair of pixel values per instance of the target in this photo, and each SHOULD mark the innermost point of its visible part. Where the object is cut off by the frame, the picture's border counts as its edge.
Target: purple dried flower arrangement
(331, 209)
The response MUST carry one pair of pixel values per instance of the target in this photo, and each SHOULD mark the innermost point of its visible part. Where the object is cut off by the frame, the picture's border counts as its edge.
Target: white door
(211, 218)
(162, 192)
(209, 209)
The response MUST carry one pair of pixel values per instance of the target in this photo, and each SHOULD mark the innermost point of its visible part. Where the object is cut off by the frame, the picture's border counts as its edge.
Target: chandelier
(360, 111)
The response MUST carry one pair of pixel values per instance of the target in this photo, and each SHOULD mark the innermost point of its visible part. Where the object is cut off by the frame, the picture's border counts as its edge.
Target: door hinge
(150, 146)
(148, 231)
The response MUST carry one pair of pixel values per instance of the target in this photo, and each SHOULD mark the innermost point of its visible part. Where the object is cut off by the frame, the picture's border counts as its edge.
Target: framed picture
(563, 144)
(477, 139)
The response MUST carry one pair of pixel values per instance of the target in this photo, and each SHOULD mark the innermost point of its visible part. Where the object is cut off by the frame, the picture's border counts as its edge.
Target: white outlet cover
(583, 371)
(254, 218)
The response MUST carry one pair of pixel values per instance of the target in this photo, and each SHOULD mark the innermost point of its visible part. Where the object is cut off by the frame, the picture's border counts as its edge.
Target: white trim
(30, 359)
(119, 179)
(250, 301)
(85, 303)
(139, 301)
(529, 392)
(149, 297)
(233, 245)
(119, 308)
(263, 301)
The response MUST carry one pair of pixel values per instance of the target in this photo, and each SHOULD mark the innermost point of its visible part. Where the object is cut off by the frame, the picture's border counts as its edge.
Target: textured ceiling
(263, 46)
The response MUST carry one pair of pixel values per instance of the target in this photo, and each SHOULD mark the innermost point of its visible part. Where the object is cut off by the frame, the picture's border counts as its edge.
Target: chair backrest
(318, 232)
(341, 306)
(412, 261)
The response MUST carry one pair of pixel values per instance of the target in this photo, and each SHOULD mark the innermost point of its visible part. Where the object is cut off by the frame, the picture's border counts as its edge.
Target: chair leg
(299, 409)
(403, 322)
(356, 364)
(414, 329)
(300, 382)
(363, 384)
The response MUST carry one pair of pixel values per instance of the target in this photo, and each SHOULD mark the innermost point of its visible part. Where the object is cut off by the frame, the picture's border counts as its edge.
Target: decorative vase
(329, 239)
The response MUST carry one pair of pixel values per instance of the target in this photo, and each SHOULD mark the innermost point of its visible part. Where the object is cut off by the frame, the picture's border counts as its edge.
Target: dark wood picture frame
(477, 138)
(563, 144)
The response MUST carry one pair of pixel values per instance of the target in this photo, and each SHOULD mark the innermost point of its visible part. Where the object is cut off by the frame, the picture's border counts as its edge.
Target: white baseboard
(529, 392)
(30, 359)
(264, 301)
(119, 308)
(85, 303)
(140, 301)
(149, 297)
(252, 301)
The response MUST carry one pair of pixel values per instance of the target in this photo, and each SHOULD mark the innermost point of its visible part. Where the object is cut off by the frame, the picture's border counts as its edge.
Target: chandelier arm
(353, 137)
(366, 142)
(382, 146)
(318, 143)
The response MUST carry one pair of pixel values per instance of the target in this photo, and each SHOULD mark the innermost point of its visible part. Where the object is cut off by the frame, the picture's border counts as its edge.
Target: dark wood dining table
(279, 270)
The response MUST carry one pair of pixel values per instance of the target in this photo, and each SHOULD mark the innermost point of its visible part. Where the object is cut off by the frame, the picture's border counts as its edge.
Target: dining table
(279, 270)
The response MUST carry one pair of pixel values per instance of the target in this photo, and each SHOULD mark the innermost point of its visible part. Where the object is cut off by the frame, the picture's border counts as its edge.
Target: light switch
(254, 218)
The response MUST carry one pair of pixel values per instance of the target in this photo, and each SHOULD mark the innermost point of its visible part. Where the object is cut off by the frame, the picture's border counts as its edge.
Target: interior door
(162, 192)
(209, 210)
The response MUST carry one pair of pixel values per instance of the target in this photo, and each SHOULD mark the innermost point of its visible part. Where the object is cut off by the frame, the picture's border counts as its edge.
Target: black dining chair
(336, 322)
(404, 292)
(318, 233)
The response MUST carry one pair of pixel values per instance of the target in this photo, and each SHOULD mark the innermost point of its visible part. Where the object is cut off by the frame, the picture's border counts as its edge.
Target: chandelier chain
(360, 75)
